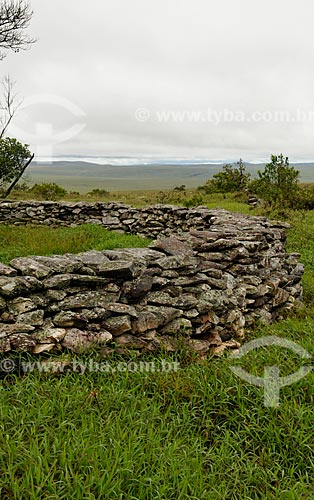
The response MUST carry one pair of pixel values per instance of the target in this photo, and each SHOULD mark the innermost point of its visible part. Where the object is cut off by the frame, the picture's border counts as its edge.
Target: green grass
(196, 433)
(18, 241)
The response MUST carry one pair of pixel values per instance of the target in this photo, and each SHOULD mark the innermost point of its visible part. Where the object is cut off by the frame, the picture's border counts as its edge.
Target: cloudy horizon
(190, 79)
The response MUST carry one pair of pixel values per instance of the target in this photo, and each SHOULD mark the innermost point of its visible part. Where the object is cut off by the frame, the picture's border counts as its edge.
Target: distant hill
(84, 176)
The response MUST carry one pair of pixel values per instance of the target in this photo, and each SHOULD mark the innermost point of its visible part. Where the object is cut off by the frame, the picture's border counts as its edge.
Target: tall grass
(18, 241)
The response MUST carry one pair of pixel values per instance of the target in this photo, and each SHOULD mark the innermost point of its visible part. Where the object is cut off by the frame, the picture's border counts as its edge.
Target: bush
(195, 201)
(48, 191)
(277, 185)
(230, 180)
(181, 188)
(21, 187)
(305, 198)
(98, 193)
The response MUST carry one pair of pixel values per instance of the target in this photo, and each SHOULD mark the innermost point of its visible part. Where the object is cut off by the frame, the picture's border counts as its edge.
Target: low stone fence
(203, 286)
(151, 221)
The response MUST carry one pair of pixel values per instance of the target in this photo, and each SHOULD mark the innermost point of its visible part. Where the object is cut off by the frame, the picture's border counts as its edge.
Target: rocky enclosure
(216, 274)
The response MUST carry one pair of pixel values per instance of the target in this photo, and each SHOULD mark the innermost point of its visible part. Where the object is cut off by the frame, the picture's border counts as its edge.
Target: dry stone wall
(216, 274)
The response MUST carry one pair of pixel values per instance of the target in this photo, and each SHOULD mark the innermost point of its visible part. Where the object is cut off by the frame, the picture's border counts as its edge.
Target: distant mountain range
(79, 175)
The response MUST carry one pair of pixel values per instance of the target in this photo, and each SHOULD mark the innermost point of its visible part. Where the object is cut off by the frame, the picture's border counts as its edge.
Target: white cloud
(112, 57)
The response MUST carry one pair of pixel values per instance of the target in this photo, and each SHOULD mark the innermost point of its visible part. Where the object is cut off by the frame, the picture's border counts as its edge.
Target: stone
(88, 300)
(66, 280)
(118, 324)
(55, 295)
(117, 269)
(22, 342)
(92, 258)
(12, 287)
(176, 326)
(33, 318)
(21, 305)
(172, 246)
(177, 262)
(280, 298)
(80, 341)
(39, 348)
(130, 341)
(30, 267)
(8, 329)
(79, 318)
(60, 264)
(139, 254)
(58, 281)
(159, 298)
(137, 289)
(110, 221)
(3, 304)
(49, 335)
(199, 346)
(7, 271)
(154, 317)
(121, 309)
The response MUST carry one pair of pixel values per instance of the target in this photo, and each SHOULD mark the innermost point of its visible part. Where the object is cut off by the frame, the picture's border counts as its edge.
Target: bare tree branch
(9, 104)
(15, 16)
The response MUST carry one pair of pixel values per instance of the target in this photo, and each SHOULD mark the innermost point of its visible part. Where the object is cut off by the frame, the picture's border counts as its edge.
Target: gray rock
(33, 318)
(3, 304)
(80, 341)
(30, 267)
(172, 246)
(7, 271)
(118, 324)
(88, 300)
(121, 309)
(21, 305)
(117, 269)
(12, 287)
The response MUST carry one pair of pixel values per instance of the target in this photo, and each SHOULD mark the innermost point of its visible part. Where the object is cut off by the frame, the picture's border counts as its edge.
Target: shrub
(48, 191)
(277, 184)
(98, 193)
(195, 201)
(180, 188)
(231, 179)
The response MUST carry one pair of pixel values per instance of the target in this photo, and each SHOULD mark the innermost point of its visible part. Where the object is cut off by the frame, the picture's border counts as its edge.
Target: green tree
(231, 179)
(277, 184)
(14, 159)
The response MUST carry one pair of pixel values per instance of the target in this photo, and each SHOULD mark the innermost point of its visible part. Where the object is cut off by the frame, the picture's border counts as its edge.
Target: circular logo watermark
(45, 137)
(7, 365)
(271, 381)
(142, 114)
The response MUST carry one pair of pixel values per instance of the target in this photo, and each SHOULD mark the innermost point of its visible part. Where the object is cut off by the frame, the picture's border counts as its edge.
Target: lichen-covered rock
(31, 267)
(83, 341)
(117, 269)
(12, 287)
(33, 318)
(7, 271)
(21, 305)
(118, 324)
(85, 300)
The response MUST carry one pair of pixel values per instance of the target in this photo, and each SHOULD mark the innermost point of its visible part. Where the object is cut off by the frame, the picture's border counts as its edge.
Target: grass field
(196, 433)
(84, 176)
(17, 241)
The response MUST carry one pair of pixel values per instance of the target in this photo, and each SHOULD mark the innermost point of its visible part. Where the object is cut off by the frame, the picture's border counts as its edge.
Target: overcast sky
(173, 78)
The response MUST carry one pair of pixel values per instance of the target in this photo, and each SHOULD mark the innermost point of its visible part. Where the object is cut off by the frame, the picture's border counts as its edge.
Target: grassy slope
(198, 433)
